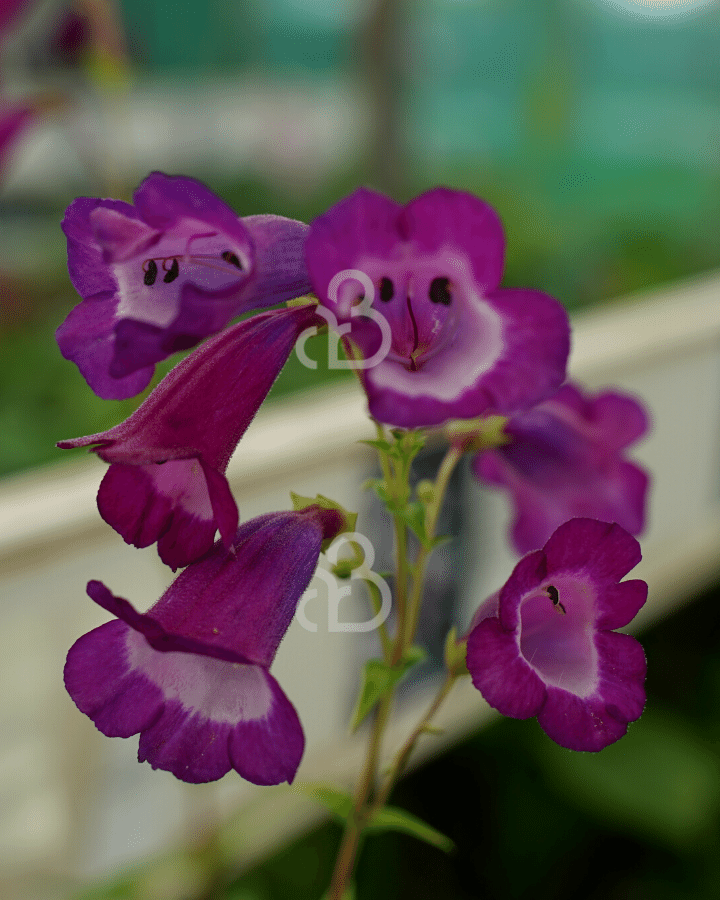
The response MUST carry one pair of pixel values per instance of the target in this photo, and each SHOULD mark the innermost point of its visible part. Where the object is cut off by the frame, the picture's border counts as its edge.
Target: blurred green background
(595, 133)
(594, 128)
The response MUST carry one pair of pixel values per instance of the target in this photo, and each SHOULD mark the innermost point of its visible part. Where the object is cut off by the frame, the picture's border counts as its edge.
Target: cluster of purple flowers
(172, 271)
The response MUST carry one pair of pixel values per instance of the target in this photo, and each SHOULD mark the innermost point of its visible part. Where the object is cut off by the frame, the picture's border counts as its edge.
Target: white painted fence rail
(76, 805)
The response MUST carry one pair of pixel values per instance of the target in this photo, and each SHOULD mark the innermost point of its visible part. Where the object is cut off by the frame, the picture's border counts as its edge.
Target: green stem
(447, 467)
(376, 601)
(401, 760)
(408, 612)
(355, 824)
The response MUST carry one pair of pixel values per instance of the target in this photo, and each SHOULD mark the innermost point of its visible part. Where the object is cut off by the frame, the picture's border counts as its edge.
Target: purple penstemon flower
(163, 274)
(460, 346)
(166, 480)
(192, 674)
(546, 644)
(565, 458)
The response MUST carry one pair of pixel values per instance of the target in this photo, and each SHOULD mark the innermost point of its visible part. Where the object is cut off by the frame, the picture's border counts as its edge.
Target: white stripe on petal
(220, 691)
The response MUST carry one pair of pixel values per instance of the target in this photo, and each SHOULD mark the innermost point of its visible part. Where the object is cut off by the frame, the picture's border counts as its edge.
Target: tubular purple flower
(192, 674)
(166, 480)
(546, 646)
(564, 459)
(460, 347)
(164, 274)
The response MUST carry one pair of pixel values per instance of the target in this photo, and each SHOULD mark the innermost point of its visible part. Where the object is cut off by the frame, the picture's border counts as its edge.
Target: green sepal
(455, 653)
(305, 300)
(392, 818)
(425, 491)
(350, 519)
(379, 678)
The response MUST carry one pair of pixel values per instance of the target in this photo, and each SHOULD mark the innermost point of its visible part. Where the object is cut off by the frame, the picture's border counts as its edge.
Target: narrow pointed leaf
(379, 679)
(391, 818)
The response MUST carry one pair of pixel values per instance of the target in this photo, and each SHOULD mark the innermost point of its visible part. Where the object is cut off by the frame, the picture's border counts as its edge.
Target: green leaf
(377, 444)
(391, 818)
(338, 802)
(378, 485)
(379, 679)
(414, 517)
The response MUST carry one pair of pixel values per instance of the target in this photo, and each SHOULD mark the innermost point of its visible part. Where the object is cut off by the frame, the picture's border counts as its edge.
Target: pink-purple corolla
(460, 345)
(546, 644)
(191, 675)
(161, 275)
(566, 457)
(166, 480)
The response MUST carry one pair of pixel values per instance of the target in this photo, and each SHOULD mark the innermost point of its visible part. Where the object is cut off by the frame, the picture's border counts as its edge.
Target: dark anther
(554, 595)
(231, 258)
(150, 272)
(172, 273)
(387, 290)
(440, 291)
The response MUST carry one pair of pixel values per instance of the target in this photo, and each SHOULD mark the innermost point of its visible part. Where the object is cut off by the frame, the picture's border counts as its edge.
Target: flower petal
(458, 346)
(622, 671)
(603, 551)
(167, 503)
(118, 700)
(442, 218)
(86, 338)
(577, 723)
(181, 438)
(563, 460)
(171, 270)
(618, 604)
(501, 675)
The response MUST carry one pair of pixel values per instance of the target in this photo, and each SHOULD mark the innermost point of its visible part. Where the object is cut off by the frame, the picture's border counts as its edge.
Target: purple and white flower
(461, 346)
(166, 481)
(164, 274)
(546, 644)
(191, 675)
(565, 458)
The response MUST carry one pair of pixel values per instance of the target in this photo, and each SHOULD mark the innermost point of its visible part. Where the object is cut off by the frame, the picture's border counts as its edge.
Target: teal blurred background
(594, 128)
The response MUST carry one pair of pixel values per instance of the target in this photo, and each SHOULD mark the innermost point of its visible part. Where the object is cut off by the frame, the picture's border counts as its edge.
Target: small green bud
(426, 491)
(455, 653)
(472, 435)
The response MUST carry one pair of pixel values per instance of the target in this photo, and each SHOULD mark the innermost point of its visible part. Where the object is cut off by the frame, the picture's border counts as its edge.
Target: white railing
(74, 804)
